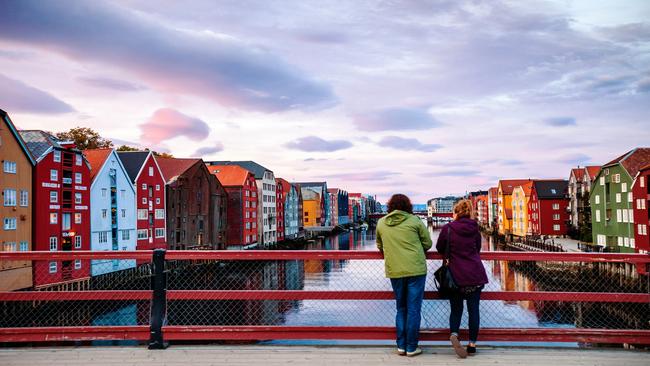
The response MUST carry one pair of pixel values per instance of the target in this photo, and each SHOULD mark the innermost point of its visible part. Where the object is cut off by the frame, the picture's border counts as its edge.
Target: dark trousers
(456, 301)
(409, 292)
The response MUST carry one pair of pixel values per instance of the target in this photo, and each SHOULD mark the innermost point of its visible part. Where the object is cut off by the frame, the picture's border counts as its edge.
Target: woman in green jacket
(403, 239)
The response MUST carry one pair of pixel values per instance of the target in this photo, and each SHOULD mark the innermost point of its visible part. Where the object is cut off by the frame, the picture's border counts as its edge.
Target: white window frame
(77, 242)
(143, 234)
(9, 198)
(53, 267)
(556, 206)
(78, 159)
(56, 156)
(104, 192)
(24, 198)
(55, 216)
(159, 214)
(9, 167)
(597, 199)
(78, 198)
(159, 232)
(597, 215)
(123, 211)
(24, 246)
(77, 264)
(78, 218)
(104, 213)
(624, 187)
(54, 197)
(618, 198)
(144, 186)
(126, 235)
(151, 171)
(144, 200)
(10, 223)
(142, 214)
(102, 237)
(54, 243)
(78, 178)
(556, 227)
(54, 175)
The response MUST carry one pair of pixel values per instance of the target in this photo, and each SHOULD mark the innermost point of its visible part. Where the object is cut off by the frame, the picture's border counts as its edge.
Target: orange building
(311, 207)
(504, 203)
(16, 210)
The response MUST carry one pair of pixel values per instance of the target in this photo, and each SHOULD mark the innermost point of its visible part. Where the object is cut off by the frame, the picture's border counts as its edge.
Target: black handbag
(442, 277)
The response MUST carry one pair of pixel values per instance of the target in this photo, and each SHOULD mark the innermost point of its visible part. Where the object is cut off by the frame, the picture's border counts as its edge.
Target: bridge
(422, 214)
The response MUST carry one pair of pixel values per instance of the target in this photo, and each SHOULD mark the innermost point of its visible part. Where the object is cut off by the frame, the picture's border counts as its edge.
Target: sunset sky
(426, 98)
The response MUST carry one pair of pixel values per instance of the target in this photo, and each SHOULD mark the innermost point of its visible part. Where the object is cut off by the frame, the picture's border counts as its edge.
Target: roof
(593, 171)
(579, 173)
(286, 186)
(308, 194)
(551, 189)
(527, 188)
(133, 162)
(507, 185)
(477, 193)
(633, 160)
(96, 159)
(38, 142)
(253, 167)
(230, 175)
(17, 136)
(171, 168)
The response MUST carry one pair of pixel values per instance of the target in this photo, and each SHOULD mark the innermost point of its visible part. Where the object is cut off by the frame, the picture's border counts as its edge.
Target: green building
(612, 212)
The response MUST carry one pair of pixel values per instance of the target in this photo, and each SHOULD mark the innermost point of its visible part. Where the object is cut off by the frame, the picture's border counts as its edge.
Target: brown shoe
(458, 348)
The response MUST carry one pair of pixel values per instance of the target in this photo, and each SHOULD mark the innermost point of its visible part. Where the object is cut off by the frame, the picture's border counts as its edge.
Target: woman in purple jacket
(467, 270)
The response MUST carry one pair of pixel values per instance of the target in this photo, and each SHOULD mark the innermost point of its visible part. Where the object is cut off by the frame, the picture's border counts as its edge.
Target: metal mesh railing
(221, 294)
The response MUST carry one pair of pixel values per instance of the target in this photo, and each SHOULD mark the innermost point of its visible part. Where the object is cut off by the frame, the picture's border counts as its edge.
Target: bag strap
(448, 245)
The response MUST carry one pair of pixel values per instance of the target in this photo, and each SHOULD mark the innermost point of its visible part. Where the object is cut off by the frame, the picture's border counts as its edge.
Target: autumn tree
(131, 148)
(85, 138)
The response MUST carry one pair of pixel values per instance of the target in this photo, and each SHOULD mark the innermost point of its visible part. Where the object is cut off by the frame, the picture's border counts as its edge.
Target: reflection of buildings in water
(314, 267)
(343, 241)
(127, 315)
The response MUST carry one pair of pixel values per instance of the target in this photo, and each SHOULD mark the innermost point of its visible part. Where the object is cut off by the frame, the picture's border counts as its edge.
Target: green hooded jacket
(403, 239)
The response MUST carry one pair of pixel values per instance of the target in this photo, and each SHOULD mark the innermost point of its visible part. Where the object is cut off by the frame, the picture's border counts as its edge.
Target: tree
(131, 148)
(127, 148)
(85, 138)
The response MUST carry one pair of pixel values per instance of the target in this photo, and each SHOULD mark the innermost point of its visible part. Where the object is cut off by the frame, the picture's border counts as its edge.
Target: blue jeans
(456, 302)
(409, 292)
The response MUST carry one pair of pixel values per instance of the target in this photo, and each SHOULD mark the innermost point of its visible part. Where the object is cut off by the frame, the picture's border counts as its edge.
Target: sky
(426, 98)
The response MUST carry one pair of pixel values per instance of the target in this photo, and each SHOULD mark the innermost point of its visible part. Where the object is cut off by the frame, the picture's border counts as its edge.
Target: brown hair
(400, 202)
(463, 208)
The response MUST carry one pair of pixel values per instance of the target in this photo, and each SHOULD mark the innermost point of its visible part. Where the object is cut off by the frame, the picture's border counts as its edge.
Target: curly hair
(463, 208)
(400, 202)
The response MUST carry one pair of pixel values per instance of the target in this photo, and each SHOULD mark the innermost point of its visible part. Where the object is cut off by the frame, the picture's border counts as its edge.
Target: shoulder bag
(442, 276)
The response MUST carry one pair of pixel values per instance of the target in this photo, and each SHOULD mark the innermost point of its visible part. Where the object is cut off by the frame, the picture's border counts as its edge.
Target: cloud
(560, 121)
(167, 123)
(364, 176)
(575, 159)
(108, 83)
(643, 86)
(396, 119)
(16, 96)
(326, 37)
(631, 32)
(407, 144)
(314, 143)
(451, 173)
(209, 150)
(223, 69)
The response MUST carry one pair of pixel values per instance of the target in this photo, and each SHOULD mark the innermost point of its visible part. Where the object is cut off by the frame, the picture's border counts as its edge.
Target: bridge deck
(312, 356)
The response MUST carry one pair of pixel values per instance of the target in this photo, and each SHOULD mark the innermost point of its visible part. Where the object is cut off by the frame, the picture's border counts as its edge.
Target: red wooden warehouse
(279, 203)
(547, 208)
(61, 187)
(641, 204)
(145, 175)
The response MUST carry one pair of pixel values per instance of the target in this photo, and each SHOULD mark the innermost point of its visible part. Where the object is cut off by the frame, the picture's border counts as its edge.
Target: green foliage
(85, 138)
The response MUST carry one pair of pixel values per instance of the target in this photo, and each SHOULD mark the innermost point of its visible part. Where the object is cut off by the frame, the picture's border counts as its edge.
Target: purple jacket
(465, 262)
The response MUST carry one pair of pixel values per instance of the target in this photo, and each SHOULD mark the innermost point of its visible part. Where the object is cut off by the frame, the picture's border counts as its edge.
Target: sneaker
(414, 353)
(458, 348)
(401, 352)
(471, 350)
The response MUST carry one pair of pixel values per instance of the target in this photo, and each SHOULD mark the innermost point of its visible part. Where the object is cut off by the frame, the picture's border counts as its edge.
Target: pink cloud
(167, 123)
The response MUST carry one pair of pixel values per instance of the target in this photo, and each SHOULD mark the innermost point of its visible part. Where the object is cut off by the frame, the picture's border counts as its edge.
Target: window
(77, 264)
(54, 175)
(144, 187)
(160, 213)
(24, 246)
(160, 233)
(54, 218)
(602, 181)
(123, 213)
(632, 244)
(639, 229)
(78, 159)
(601, 239)
(126, 235)
(122, 194)
(77, 218)
(556, 227)
(104, 213)
(623, 187)
(77, 178)
(556, 216)
(52, 267)
(65, 221)
(642, 181)
(10, 246)
(104, 192)
(619, 215)
(144, 200)
(142, 214)
(143, 234)
(103, 236)
(9, 167)
(157, 187)
(630, 214)
(625, 216)
(626, 241)
(597, 215)
(57, 156)
(54, 196)
(77, 198)
(619, 241)
(10, 223)
(24, 198)
(10, 197)
(151, 171)
(53, 243)
(77, 242)
(157, 201)
(618, 198)
(597, 199)
(556, 206)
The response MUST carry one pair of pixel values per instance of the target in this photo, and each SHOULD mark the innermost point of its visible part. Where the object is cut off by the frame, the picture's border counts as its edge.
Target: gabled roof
(17, 136)
(527, 188)
(551, 189)
(96, 158)
(133, 162)
(286, 186)
(579, 173)
(507, 185)
(230, 175)
(633, 160)
(253, 167)
(171, 168)
(39, 142)
(593, 171)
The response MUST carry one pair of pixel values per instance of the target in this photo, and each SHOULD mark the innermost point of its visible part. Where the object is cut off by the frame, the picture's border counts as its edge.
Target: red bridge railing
(257, 295)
